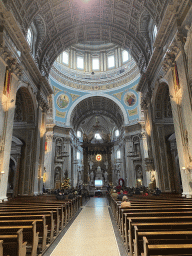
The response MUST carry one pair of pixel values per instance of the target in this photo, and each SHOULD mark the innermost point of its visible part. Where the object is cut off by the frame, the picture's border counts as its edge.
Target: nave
(90, 234)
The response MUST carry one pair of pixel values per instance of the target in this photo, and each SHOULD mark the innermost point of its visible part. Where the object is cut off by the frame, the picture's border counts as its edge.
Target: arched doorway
(168, 178)
(24, 131)
(14, 167)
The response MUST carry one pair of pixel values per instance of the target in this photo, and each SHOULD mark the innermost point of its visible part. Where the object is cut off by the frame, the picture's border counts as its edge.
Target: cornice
(16, 34)
(166, 33)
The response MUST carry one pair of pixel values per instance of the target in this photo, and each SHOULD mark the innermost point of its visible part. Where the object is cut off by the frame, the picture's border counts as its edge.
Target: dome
(94, 66)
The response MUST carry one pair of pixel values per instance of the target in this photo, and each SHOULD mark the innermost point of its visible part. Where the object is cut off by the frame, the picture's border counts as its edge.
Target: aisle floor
(91, 233)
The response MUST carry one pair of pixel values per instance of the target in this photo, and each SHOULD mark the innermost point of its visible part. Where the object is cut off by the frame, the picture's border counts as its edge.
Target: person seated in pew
(114, 194)
(125, 202)
(120, 196)
(157, 192)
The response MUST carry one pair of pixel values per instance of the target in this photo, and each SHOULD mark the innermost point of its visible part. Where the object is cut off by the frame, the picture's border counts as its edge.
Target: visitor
(114, 194)
(120, 196)
(125, 202)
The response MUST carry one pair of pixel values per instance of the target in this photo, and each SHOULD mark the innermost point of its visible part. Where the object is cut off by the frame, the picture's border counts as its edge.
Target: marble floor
(91, 233)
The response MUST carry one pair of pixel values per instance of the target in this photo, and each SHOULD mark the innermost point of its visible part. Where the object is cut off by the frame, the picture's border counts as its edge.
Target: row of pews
(155, 226)
(28, 225)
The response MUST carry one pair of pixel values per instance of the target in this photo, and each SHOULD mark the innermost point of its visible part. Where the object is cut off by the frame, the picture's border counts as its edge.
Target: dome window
(111, 61)
(80, 62)
(65, 58)
(95, 63)
(125, 56)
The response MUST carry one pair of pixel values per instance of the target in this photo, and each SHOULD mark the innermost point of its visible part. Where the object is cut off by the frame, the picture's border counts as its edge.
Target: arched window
(97, 136)
(30, 37)
(118, 154)
(78, 134)
(78, 155)
(154, 32)
(117, 133)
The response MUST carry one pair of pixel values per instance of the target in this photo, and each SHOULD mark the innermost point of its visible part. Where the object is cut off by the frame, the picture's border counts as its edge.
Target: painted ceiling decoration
(64, 23)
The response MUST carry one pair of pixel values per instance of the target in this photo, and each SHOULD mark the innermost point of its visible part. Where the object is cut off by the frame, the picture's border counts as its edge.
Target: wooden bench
(150, 214)
(30, 235)
(60, 219)
(13, 244)
(166, 249)
(64, 209)
(160, 236)
(41, 227)
(54, 213)
(49, 221)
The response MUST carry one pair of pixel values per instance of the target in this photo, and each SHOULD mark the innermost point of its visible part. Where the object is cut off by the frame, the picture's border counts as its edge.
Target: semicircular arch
(104, 96)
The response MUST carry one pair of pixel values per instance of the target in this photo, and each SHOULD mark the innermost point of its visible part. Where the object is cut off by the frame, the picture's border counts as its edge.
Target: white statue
(92, 176)
(106, 176)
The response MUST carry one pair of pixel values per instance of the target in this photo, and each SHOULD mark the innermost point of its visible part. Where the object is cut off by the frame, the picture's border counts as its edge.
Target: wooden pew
(49, 221)
(30, 212)
(30, 235)
(41, 227)
(59, 215)
(158, 235)
(1, 247)
(13, 244)
(166, 249)
(159, 209)
(150, 214)
(64, 209)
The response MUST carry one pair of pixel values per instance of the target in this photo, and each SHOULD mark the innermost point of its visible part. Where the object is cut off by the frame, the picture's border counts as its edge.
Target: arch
(25, 109)
(74, 105)
(162, 104)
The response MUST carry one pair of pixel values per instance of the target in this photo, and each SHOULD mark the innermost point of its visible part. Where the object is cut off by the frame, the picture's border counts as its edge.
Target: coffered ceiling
(108, 112)
(62, 23)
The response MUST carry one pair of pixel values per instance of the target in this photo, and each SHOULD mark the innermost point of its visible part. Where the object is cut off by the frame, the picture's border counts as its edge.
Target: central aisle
(91, 234)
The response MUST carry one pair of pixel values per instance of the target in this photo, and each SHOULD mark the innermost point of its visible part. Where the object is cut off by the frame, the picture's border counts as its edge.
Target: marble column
(85, 162)
(109, 166)
(39, 146)
(49, 160)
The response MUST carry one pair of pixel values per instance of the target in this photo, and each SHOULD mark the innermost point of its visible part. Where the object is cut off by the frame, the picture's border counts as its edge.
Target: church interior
(95, 103)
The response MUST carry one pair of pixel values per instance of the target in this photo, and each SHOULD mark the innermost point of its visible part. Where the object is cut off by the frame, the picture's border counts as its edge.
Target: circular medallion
(130, 99)
(62, 101)
(98, 157)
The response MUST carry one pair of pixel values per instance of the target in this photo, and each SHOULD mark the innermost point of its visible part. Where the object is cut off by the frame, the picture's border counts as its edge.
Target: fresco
(62, 101)
(130, 99)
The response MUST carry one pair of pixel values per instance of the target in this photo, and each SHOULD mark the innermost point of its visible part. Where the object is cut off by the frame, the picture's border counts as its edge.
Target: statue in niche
(139, 173)
(118, 176)
(79, 178)
(57, 174)
(92, 176)
(152, 184)
(66, 174)
(106, 176)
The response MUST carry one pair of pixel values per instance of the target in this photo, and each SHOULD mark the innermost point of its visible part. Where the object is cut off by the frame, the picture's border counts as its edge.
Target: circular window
(62, 101)
(98, 157)
(130, 99)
